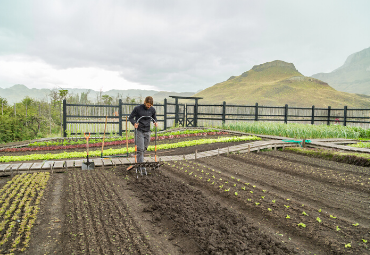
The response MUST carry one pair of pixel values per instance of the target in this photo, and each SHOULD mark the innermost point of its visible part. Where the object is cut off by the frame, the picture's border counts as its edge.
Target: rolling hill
(278, 83)
(353, 76)
(18, 92)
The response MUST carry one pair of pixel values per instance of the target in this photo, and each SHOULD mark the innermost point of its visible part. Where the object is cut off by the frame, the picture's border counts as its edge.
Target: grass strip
(359, 159)
(298, 130)
(97, 153)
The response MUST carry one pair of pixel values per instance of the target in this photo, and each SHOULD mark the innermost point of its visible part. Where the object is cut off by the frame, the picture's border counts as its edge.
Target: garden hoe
(88, 165)
(142, 166)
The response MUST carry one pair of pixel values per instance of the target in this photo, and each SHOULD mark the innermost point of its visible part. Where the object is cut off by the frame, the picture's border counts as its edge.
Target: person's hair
(149, 100)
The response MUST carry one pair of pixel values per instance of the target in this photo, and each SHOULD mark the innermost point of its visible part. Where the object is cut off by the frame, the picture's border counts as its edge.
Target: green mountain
(17, 92)
(278, 83)
(353, 76)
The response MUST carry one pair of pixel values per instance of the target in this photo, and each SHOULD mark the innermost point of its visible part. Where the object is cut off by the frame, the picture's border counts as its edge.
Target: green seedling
(331, 216)
(287, 206)
(269, 209)
(263, 197)
(232, 177)
(251, 192)
(288, 217)
(338, 228)
(304, 213)
(257, 203)
(249, 199)
(236, 193)
(301, 225)
(273, 201)
(227, 190)
(264, 190)
(238, 180)
(319, 210)
(356, 224)
(364, 240)
(243, 188)
(318, 219)
(348, 245)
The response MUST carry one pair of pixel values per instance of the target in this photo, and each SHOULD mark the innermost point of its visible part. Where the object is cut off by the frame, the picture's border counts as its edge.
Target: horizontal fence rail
(78, 118)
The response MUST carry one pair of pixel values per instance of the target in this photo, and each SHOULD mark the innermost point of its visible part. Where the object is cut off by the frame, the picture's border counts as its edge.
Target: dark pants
(142, 142)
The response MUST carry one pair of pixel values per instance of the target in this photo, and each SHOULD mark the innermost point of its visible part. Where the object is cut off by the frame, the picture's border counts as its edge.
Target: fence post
(120, 117)
(313, 115)
(223, 113)
(176, 111)
(196, 113)
(256, 112)
(345, 116)
(329, 108)
(64, 118)
(165, 114)
(286, 114)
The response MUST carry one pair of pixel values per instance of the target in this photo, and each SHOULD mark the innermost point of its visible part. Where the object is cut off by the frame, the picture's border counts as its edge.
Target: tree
(107, 99)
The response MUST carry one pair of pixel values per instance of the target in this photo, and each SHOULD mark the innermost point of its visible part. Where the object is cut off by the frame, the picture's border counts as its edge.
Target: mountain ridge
(17, 92)
(353, 76)
(279, 83)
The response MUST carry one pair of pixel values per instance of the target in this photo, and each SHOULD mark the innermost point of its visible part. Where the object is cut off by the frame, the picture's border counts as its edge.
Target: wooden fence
(78, 118)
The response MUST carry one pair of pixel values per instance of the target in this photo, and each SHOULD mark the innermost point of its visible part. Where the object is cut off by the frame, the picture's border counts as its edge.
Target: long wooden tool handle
(155, 147)
(126, 139)
(105, 127)
(135, 147)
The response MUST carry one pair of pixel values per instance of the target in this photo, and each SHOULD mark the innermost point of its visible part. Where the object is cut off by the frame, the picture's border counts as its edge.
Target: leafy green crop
(97, 153)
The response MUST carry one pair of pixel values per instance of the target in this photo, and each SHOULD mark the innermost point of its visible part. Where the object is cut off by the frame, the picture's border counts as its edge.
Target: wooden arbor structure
(190, 120)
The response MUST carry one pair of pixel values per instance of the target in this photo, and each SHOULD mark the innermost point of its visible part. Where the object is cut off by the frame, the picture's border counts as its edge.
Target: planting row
(98, 221)
(20, 199)
(307, 219)
(93, 143)
(97, 153)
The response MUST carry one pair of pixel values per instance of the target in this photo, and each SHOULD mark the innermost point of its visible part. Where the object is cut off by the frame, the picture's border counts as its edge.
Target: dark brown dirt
(48, 229)
(218, 205)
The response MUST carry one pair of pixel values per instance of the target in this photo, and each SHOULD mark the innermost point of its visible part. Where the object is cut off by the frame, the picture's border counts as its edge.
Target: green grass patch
(360, 159)
(297, 130)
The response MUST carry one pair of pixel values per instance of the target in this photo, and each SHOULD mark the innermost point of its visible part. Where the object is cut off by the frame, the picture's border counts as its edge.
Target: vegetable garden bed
(271, 202)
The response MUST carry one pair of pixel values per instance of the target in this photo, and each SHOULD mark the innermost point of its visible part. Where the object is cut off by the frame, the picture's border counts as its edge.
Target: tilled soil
(270, 202)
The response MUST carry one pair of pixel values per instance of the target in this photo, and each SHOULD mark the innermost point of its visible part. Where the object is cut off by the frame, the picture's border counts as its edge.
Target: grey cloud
(186, 45)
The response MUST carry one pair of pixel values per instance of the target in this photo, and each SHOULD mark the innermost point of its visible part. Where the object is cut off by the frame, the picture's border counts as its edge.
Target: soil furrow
(107, 211)
(319, 195)
(94, 245)
(138, 238)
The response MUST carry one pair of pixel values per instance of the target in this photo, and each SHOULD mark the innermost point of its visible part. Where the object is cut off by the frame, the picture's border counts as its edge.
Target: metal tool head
(88, 165)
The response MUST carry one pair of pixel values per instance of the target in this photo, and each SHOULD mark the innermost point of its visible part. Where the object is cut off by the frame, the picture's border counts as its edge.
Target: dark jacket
(144, 123)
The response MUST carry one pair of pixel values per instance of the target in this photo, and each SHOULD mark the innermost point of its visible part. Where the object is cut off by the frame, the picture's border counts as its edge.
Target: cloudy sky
(171, 45)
